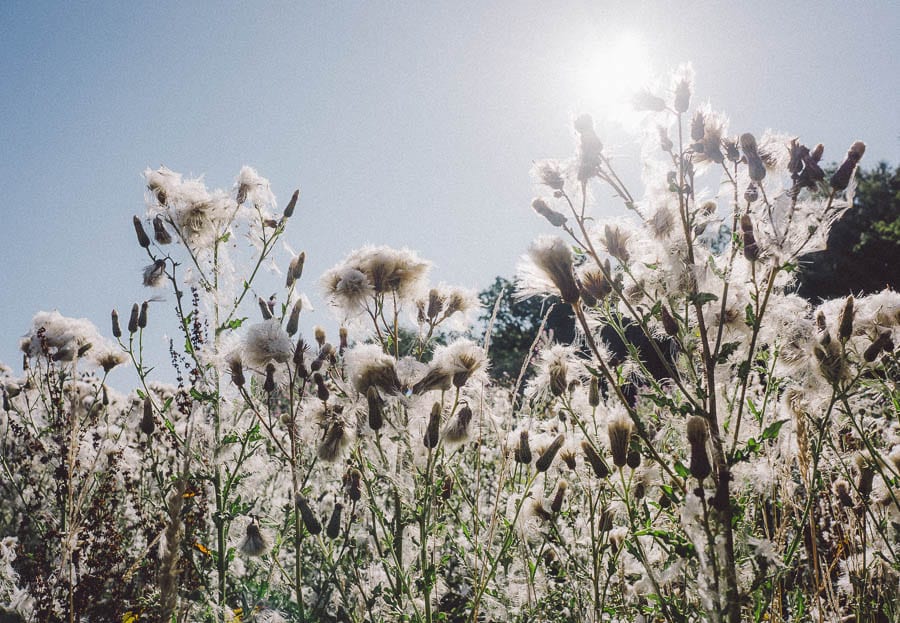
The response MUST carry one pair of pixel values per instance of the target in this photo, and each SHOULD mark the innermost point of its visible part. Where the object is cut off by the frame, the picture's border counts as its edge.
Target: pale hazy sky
(404, 124)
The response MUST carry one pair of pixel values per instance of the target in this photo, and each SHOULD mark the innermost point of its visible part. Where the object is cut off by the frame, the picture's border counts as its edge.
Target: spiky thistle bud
(522, 453)
(432, 431)
(269, 384)
(544, 461)
(845, 320)
(142, 237)
(670, 326)
(558, 496)
(751, 249)
(697, 434)
(376, 408)
(619, 430)
(133, 320)
(116, 329)
(310, 522)
(594, 392)
(555, 218)
(594, 459)
(148, 425)
(755, 167)
(142, 316)
(841, 178)
(254, 543)
(334, 523)
(160, 233)
(289, 209)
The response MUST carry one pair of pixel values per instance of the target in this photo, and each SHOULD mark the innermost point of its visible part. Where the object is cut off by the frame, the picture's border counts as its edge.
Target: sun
(610, 75)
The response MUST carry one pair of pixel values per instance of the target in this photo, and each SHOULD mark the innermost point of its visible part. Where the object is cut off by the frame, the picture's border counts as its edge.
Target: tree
(863, 246)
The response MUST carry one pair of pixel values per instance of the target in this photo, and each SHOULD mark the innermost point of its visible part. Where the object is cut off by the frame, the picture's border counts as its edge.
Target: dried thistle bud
(295, 269)
(522, 453)
(619, 431)
(133, 320)
(633, 459)
(447, 487)
(289, 209)
(321, 389)
(751, 249)
(816, 153)
(616, 241)
(594, 459)
(142, 237)
(697, 434)
(343, 341)
(334, 440)
(294, 319)
(148, 424)
(594, 392)
(333, 530)
(558, 383)
(606, 520)
(559, 496)
(264, 309)
(752, 193)
(670, 326)
(432, 431)
(458, 430)
(845, 320)
(154, 274)
(841, 178)
(310, 522)
(682, 95)
(665, 143)
(376, 408)
(555, 218)
(435, 304)
(731, 149)
(866, 477)
(568, 457)
(352, 482)
(160, 233)
(881, 343)
(698, 123)
(269, 384)
(116, 329)
(590, 148)
(319, 334)
(236, 367)
(546, 459)
(841, 490)
(755, 167)
(644, 100)
(254, 543)
(142, 316)
(593, 283)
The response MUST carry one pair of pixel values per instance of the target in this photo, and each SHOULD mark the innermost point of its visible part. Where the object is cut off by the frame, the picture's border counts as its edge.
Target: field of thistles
(741, 462)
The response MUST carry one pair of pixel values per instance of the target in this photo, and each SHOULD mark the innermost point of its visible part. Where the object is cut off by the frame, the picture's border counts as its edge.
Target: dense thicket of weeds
(376, 475)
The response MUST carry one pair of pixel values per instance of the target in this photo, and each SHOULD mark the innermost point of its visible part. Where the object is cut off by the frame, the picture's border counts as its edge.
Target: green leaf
(702, 298)
(726, 351)
(772, 429)
(749, 316)
(681, 470)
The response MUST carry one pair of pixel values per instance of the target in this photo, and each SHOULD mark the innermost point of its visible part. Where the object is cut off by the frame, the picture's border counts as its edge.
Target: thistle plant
(377, 473)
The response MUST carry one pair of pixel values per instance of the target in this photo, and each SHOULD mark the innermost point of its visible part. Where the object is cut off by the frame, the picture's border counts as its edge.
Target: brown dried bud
(236, 367)
(142, 317)
(343, 342)
(697, 434)
(147, 422)
(522, 453)
(555, 218)
(751, 249)
(116, 329)
(670, 326)
(731, 149)
(841, 489)
(458, 430)
(682, 96)
(596, 462)
(435, 304)
(160, 233)
(333, 530)
(633, 460)
(142, 237)
(845, 320)
(133, 320)
(352, 482)
(294, 319)
(619, 430)
(289, 209)
(546, 459)
(882, 343)
(264, 309)
(319, 334)
(841, 178)
(432, 431)
(376, 408)
(269, 384)
(752, 193)
(697, 126)
(594, 392)
(310, 522)
(558, 496)
(321, 389)
(755, 167)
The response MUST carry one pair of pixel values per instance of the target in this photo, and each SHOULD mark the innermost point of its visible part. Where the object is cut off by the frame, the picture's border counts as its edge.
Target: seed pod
(269, 385)
(321, 390)
(294, 319)
(555, 218)
(376, 408)
(432, 432)
(142, 237)
(522, 453)
(334, 524)
(556, 504)
(606, 520)
(147, 423)
(160, 233)
(289, 209)
(546, 459)
(116, 329)
(309, 519)
(558, 382)
(755, 167)
(751, 249)
(264, 309)
(633, 459)
(595, 460)
(594, 392)
(299, 363)
(295, 269)
(845, 320)
(841, 178)
(133, 320)
(697, 434)
(619, 430)
(669, 324)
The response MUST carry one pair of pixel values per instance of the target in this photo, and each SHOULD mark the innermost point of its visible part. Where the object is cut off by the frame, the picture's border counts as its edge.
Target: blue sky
(404, 124)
